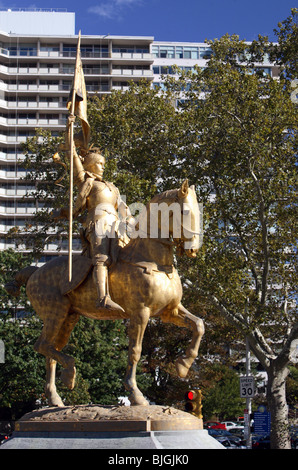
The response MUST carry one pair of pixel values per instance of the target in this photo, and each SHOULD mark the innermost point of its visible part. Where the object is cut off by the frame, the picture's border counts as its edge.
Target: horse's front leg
(138, 323)
(182, 317)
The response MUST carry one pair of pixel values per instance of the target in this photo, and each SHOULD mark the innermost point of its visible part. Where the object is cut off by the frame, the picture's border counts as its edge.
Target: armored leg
(100, 276)
(100, 247)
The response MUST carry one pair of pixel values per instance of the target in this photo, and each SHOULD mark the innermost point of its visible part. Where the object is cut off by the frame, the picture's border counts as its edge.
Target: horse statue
(143, 282)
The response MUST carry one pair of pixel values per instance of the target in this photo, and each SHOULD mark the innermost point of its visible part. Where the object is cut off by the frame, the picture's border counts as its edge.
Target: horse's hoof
(53, 398)
(138, 400)
(56, 402)
(181, 369)
(68, 377)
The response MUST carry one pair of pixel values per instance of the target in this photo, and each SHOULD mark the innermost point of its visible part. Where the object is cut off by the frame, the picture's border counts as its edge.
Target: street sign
(262, 422)
(247, 387)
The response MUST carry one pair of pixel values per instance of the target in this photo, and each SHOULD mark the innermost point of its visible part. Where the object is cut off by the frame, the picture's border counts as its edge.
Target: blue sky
(172, 20)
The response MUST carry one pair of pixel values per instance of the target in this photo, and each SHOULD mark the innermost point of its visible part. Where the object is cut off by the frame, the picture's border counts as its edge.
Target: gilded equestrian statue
(142, 280)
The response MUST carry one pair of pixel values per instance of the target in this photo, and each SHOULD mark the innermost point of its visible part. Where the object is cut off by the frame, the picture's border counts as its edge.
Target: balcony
(12, 192)
(11, 156)
(12, 174)
(32, 87)
(31, 122)
(15, 140)
(132, 72)
(25, 104)
(16, 211)
(132, 55)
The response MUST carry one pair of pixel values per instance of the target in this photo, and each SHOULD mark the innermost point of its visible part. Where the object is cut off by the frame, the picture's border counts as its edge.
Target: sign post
(247, 390)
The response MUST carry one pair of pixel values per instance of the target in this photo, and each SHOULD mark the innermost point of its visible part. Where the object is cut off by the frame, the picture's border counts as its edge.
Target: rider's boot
(100, 273)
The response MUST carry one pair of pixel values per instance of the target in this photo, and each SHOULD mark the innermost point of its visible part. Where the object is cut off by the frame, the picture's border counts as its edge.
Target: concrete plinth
(110, 427)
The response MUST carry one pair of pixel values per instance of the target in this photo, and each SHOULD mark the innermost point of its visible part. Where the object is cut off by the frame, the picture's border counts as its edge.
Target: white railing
(12, 139)
(9, 174)
(129, 72)
(32, 104)
(11, 156)
(13, 192)
(132, 55)
(19, 210)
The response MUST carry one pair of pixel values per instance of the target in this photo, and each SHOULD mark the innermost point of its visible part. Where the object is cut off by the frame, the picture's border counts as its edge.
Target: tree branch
(263, 221)
(257, 341)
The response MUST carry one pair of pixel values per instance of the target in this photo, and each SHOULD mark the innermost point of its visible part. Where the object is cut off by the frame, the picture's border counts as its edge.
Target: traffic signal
(193, 402)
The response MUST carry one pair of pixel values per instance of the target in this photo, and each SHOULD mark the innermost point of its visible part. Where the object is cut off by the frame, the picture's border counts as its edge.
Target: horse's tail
(21, 278)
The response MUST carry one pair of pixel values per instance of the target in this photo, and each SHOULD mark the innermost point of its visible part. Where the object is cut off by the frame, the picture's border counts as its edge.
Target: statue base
(110, 427)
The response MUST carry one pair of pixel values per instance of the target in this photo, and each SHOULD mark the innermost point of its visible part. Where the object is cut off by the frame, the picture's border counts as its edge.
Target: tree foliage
(244, 159)
(285, 51)
(222, 399)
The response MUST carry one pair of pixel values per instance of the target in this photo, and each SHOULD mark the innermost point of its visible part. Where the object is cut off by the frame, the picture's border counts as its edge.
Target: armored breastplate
(101, 193)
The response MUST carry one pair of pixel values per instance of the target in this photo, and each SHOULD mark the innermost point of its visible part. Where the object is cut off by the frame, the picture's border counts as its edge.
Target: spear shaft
(71, 163)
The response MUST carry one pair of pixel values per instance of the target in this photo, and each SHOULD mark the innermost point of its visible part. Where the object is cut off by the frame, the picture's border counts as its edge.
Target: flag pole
(71, 165)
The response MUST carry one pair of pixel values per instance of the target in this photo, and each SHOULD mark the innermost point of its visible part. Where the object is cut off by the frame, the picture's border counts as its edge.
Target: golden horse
(143, 281)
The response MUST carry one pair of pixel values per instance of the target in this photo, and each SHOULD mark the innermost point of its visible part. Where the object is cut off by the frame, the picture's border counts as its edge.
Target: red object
(190, 395)
(215, 425)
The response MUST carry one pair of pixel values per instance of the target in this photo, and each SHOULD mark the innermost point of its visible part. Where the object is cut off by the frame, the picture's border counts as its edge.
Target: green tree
(285, 51)
(19, 373)
(139, 131)
(100, 349)
(241, 151)
(222, 399)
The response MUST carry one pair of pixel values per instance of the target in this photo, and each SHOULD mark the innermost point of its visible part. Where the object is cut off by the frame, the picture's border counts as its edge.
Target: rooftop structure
(37, 21)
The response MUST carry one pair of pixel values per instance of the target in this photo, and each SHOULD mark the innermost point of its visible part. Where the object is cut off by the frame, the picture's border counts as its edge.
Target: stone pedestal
(110, 427)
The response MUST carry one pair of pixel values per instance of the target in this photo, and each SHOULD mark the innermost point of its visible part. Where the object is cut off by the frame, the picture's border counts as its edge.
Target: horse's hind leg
(46, 343)
(68, 378)
(183, 318)
(50, 389)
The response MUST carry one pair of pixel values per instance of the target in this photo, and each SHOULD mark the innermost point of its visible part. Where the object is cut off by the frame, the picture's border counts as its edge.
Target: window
(205, 53)
(97, 86)
(159, 86)
(143, 50)
(66, 85)
(163, 70)
(69, 51)
(49, 48)
(94, 51)
(27, 49)
(179, 52)
(155, 51)
(167, 52)
(192, 52)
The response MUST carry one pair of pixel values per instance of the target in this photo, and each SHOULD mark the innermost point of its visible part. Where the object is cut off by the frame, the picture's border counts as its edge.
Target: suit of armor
(104, 207)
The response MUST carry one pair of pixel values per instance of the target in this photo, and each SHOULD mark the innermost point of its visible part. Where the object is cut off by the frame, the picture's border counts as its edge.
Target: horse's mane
(170, 195)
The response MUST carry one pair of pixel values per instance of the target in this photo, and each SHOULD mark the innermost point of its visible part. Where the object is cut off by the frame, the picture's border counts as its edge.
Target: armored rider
(103, 203)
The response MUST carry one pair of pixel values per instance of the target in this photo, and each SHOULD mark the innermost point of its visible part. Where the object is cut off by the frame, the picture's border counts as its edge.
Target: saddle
(81, 266)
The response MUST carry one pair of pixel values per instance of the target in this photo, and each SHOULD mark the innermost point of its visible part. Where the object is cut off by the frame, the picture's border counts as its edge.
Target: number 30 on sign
(247, 387)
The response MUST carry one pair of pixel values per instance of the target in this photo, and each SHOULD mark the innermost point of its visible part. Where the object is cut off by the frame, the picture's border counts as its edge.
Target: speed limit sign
(247, 387)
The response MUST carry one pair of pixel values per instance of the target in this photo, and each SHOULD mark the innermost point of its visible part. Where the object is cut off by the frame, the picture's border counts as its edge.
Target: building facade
(37, 60)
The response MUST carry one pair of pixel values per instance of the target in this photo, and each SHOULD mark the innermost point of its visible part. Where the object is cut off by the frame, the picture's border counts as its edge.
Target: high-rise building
(37, 59)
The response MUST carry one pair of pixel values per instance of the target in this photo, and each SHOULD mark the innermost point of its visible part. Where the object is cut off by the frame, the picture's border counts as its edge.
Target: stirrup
(107, 303)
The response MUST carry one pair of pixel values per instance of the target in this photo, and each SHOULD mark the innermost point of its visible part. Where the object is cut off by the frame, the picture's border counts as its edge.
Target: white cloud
(113, 9)
(106, 10)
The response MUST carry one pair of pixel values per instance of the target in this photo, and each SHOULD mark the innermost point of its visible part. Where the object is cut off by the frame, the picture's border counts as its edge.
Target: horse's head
(191, 221)
(173, 214)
